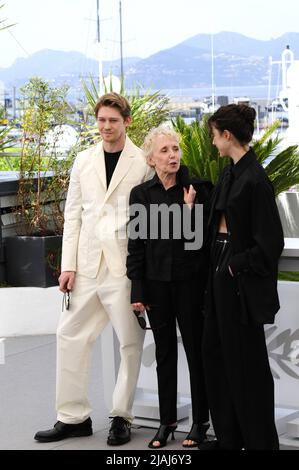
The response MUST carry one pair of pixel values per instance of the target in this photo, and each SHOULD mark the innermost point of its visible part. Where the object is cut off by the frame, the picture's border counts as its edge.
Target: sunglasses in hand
(66, 300)
(141, 320)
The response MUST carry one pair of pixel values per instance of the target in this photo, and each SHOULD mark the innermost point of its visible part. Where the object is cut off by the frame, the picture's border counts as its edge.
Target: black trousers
(238, 377)
(181, 301)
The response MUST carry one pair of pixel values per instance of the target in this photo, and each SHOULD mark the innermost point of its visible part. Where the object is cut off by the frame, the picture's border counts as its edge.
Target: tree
(43, 177)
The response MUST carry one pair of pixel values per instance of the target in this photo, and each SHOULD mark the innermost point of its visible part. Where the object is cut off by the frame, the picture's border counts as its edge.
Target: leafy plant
(198, 153)
(283, 169)
(43, 176)
(288, 276)
(6, 139)
(203, 159)
(148, 110)
(9, 157)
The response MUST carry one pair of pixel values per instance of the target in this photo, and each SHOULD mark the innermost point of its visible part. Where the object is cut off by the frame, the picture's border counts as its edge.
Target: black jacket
(256, 236)
(164, 259)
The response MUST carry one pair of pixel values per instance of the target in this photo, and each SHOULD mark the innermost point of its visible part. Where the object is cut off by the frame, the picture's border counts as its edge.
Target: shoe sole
(75, 434)
(111, 443)
(186, 446)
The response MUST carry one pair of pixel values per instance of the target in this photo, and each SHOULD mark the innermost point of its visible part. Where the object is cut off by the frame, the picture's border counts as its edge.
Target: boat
(285, 107)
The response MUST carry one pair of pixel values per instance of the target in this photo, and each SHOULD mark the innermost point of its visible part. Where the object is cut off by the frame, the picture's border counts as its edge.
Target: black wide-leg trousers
(239, 382)
(181, 301)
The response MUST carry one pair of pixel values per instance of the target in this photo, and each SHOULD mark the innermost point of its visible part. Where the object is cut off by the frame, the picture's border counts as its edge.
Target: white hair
(150, 139)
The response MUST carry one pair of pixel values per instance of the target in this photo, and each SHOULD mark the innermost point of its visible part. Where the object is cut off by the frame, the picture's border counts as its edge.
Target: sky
(148, 25)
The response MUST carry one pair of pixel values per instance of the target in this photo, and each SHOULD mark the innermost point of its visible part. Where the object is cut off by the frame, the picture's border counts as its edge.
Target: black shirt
(163, 259)
(111, 160)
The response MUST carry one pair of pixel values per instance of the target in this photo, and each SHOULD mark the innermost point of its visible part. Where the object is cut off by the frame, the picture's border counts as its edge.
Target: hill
(238, 61)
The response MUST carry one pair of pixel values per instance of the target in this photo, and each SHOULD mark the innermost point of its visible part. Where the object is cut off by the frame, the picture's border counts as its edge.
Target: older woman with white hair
(168, 276)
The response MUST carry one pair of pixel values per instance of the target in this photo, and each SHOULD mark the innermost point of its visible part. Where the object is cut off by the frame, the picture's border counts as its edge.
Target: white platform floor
(27, 391)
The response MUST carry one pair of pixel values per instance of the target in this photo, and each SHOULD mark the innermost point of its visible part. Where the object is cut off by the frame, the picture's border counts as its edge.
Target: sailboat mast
(212, 72)
(99, 51)
(98, 21)
(121, 43)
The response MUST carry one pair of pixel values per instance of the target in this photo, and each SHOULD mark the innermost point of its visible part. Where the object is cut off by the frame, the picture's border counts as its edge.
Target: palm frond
(204, 161)
(266, 146)
(90, 92)
(198, 153)
(268, 132)
(3, 26)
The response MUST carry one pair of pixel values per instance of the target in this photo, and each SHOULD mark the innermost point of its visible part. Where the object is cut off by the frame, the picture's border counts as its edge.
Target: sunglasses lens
(136, 313)
(142, 322)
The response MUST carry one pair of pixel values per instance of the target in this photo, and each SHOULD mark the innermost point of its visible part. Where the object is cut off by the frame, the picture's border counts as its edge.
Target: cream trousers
(93, 303)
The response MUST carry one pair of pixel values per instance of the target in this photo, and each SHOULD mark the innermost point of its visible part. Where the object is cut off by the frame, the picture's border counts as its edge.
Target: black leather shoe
(63, 430)
(119, 432)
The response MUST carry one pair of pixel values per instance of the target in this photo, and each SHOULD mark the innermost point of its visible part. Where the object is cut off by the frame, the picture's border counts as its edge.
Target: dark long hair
(235, 118)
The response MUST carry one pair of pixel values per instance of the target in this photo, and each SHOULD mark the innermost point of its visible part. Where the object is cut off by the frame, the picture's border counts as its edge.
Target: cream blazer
(96, 218)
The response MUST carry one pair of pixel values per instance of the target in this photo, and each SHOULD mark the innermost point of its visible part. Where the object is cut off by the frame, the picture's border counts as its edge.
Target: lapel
(122, 168)
(99, 164)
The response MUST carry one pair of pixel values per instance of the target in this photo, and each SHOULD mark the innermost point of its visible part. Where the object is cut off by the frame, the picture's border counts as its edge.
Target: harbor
(180, 85)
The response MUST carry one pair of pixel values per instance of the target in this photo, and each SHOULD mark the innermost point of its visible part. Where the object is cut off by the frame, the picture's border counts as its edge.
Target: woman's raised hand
(189, 196)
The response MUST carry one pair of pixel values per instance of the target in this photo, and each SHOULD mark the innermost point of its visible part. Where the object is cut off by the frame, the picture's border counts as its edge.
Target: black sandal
(197, 434)
(162, 435)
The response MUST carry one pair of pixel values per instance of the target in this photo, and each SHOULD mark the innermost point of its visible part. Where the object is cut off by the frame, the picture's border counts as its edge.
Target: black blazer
(257, 239)
(165, 259)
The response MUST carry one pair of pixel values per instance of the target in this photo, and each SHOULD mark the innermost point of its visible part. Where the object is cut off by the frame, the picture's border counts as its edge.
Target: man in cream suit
(94, 272)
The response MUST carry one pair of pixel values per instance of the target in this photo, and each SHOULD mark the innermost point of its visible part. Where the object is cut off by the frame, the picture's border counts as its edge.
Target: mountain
(57, 65)
(189, 67)
(234, 43)
(238, 61)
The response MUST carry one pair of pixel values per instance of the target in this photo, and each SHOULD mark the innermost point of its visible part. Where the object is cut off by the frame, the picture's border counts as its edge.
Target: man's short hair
(114, 100)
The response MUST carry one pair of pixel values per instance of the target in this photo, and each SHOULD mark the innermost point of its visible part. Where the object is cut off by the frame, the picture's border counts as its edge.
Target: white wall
(29, 311)
(284, 333)
(35, 311)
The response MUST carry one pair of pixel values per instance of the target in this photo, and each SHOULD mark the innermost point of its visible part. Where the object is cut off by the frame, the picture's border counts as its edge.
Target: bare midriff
(222, 224)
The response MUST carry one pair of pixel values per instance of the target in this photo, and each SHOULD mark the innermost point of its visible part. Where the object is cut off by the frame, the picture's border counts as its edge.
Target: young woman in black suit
(170, 279)
(246, 243)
